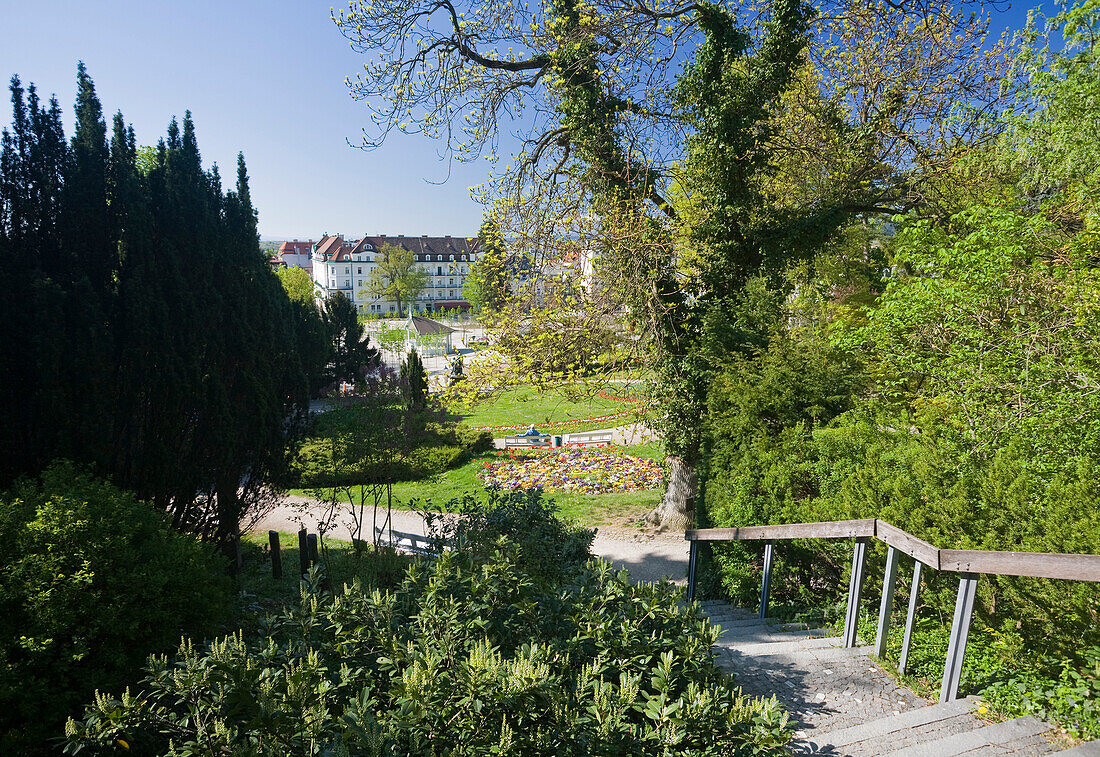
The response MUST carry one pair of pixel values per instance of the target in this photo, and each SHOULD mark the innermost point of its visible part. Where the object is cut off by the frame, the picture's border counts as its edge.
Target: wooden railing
(968, 563)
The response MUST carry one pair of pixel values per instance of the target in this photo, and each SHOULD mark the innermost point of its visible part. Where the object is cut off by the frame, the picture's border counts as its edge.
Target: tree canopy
(146, 333)
(396, 276)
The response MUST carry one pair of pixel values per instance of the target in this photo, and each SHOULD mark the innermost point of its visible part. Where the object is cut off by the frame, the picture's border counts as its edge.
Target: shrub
(549, 547)
(468, 657)
(93, 581)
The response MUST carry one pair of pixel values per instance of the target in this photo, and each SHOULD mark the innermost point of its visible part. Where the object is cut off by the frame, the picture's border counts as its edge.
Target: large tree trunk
(677, 510)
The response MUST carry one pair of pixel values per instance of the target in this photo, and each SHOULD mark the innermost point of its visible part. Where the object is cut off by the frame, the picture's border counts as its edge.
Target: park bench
(511, 442)
(415, 543)
(590, 437)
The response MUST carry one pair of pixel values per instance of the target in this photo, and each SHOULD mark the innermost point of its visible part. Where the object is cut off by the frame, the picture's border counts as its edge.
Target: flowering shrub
(591, 471)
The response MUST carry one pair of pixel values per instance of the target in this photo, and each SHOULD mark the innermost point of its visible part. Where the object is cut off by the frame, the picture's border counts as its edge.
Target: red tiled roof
(296, 248)
(329, 248)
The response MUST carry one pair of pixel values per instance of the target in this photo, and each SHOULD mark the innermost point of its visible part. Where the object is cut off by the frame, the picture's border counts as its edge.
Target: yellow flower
(983, 710)
(124, 744)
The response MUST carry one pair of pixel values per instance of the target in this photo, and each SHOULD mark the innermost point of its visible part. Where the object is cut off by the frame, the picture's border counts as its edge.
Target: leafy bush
(548, 546)
(1067, 692)
(93, 581)
(468, 657)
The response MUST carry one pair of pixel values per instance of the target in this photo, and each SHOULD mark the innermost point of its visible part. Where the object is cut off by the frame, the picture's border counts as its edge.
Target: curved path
(648, 556)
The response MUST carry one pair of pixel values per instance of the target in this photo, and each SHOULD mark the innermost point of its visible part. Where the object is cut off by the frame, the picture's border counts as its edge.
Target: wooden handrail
(1069, 567)
(969, 563)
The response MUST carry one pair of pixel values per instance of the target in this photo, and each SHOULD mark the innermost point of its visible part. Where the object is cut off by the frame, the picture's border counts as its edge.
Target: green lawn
(586, 509)
(524, 406)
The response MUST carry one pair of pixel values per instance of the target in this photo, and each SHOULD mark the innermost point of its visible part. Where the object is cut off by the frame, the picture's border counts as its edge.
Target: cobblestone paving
(827, 688)
(824, 689)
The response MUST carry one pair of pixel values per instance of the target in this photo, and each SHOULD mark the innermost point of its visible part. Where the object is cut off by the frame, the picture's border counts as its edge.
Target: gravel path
(648, 556)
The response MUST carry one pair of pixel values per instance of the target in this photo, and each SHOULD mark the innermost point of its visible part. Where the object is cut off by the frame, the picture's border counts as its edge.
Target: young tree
(486, 287)
(298, 285)
(414, 382)
(351, 349)
(396, 277)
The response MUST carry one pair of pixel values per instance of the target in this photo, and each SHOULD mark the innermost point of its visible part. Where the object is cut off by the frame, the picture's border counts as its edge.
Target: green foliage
(1066, 692)
(147, 332)
(94, 581)
(396, 275)
(351, 353)
(1051, 139)
(298, 284)
(414, 382)
(547, 546)
(466, 658)
(486, 288)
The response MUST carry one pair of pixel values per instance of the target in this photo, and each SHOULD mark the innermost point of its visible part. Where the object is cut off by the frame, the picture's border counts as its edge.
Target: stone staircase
(843, 703)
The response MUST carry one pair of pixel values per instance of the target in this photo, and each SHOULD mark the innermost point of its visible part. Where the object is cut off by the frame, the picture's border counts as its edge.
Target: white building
(294, 254)
(345, 266)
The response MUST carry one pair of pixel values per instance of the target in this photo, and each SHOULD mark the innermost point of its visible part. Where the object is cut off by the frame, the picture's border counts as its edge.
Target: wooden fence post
(303, 552)
(765, 583)
(276, 554)
(910, 616)
(312, 539)
(889, 581)
(694, 553)
(851, 620)
(960, 630)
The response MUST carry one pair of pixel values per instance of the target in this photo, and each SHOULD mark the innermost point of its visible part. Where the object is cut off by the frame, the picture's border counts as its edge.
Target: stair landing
(843, 703)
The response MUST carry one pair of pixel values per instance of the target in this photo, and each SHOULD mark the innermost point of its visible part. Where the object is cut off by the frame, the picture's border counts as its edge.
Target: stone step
(1090, 749)
(743, 636)
(785, 644)
(878, 735)
(996, 735)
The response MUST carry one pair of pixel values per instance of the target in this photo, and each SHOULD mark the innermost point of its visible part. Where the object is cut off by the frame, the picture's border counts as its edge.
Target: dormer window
(452, 258)
(438, 258)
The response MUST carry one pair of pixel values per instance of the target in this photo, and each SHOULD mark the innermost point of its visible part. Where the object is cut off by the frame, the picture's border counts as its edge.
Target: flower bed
(602, 471)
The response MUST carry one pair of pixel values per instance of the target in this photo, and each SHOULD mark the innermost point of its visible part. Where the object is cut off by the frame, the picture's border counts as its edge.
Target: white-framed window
(451, 293)
(360, 271)
(347, 282)
(438, 258)
(452, 258)
(451, 282)
(347, 269)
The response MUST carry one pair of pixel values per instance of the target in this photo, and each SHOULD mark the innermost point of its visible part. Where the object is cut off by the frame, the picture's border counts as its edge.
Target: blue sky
(265, 77)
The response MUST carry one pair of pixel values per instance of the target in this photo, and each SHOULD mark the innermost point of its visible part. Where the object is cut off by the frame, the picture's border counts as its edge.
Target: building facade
(346, 265)
(294, 254)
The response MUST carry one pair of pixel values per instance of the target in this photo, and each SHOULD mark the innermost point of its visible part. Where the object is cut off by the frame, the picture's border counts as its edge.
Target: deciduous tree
(396, 277)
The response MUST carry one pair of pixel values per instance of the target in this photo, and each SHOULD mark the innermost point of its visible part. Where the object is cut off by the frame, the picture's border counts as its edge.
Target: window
(347, 269)
(451, 282)
(360, 281)
(452, 258)
(360, 272)
(391, 308)
(451, 293)
(439, 270)
(333, 284)
(438, 258)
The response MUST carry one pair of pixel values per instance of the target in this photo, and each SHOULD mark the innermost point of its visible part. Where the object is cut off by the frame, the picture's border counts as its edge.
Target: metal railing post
(691, 568)
(960, 629)
(889, 582)
(766, 582)
(851, 620)
(910, 616)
